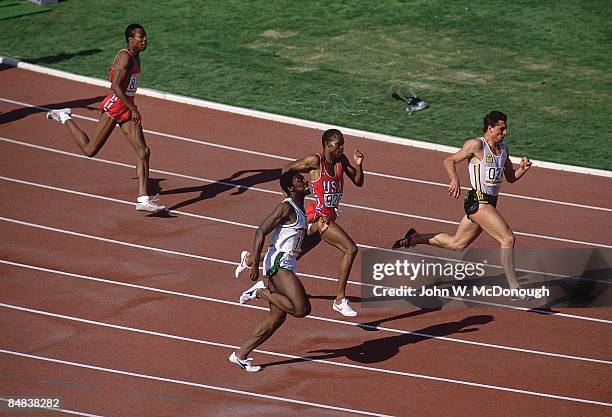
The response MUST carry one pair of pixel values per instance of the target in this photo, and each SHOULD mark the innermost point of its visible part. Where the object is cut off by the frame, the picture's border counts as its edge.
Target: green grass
(547, 63)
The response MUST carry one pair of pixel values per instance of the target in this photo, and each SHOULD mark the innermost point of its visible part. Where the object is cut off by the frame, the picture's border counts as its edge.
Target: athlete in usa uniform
(118, 108)
(327, 191)
(327, 170)
(488, 163)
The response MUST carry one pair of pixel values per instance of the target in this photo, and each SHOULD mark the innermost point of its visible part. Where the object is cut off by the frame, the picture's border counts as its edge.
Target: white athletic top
(487, 175)
(288, 237)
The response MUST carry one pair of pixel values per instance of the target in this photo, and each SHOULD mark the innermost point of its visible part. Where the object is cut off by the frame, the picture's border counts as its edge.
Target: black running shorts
(474, 198)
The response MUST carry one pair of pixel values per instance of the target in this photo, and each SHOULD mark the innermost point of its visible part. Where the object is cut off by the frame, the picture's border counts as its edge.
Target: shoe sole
(149, 210)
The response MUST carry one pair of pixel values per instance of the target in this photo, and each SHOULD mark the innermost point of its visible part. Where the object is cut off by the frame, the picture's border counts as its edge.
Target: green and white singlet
(284, 241)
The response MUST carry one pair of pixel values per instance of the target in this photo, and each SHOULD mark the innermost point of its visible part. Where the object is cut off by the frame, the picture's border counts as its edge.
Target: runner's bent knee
(352, 250)
(144, 153)
(302, 310)
(507, 239)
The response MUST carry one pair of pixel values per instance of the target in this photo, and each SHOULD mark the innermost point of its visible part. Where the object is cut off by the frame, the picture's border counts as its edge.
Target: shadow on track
(234, 182)
(382, 349)
(22, 112)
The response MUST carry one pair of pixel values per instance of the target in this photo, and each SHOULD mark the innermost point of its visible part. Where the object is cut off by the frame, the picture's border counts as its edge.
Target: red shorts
(115, 108)
(313, 214)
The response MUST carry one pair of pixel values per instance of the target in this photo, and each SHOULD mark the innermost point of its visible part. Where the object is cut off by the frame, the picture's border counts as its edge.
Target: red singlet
(327, 191)
(111, 104)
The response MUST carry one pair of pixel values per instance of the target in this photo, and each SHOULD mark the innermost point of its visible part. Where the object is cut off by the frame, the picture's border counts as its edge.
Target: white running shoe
(242, 266)
(251, 293)
(146, 203)
(344, 309)
(60, 115)
(244, 363)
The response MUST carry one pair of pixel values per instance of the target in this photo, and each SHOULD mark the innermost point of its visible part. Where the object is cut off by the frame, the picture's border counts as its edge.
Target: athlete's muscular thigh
(491, 222)
(284, 282)
(467, 232)
(337, 237)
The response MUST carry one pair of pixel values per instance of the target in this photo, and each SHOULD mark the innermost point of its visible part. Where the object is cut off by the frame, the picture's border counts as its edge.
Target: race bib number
(133, 84)
(332, 199)
(494, 175)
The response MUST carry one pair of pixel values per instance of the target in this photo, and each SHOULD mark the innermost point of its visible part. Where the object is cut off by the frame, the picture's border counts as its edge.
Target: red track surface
(55, 242)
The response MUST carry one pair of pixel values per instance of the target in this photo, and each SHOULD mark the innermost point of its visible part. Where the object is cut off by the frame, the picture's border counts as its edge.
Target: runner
(284, 292)
(488, 163)
(118, 108)
(327, 170)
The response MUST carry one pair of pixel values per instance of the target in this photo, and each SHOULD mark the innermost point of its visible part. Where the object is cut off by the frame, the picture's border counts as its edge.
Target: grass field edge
(284, 119)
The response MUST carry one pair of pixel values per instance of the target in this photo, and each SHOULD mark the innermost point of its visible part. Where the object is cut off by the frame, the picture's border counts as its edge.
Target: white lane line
(432, 219)
(177, 98)
(250, 226)
(60, 410)
(214, 387)
(283, 158)
(118, 242)
(313, 317)
(409, 374)
(524, 197)
(116, 200)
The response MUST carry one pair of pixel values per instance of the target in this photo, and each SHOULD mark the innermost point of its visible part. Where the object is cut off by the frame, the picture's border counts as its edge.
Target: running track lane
(202, 165)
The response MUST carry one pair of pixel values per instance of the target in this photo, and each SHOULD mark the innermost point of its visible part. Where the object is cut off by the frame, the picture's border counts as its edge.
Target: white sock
(143, 199)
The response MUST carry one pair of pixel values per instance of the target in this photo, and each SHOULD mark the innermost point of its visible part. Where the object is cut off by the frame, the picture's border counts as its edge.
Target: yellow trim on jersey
(478, 183)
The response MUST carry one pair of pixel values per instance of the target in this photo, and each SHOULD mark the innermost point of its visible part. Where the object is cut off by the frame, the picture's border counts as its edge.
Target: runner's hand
(525, 163)
(254, 274)
(454, 189)
(358, 157)
(136, 117)
(323, 224)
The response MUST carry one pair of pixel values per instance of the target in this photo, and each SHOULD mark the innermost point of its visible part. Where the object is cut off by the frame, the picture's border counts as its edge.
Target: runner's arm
(513, 175)
(122, 66)
(280, 215)
(470, 148)
(305, 164)
(355, 173)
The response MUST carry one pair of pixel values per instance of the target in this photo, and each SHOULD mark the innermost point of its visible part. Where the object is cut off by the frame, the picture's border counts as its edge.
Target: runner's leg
(287, 294)
(467, 231)
(104, 128)
(495, 226)
(135, 136)
(262, 332)
(338, 238)
(308, 243)
(284, 288)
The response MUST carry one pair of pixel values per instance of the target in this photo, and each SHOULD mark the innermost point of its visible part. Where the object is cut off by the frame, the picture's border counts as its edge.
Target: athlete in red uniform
(327, 191)
(326, 177)
(111, 103)
(119, 108)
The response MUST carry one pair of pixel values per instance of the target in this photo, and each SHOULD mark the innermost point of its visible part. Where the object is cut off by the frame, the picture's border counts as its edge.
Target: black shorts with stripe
(474, 198)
